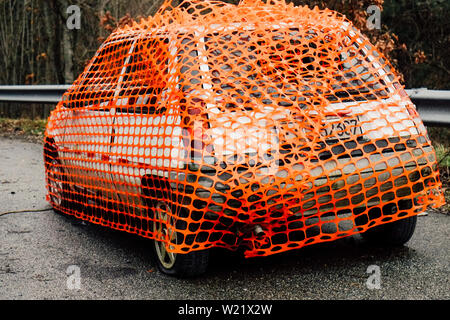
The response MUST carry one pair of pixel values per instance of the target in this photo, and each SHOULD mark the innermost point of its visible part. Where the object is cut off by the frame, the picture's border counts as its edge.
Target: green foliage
(22, 127)
(443, 155)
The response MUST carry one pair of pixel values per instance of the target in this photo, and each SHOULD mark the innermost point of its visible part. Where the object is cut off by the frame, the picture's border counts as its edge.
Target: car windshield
(291, 66)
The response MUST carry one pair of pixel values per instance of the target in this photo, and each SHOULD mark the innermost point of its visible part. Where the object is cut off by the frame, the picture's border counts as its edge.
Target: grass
(441, 142)
(24, 128)
(442, 154)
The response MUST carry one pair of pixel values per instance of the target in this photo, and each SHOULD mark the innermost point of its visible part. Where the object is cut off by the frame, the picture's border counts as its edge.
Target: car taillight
(411, 108)
(331, 113)
(344, 113)
(412, 111)
(401, 90)
(199, 133)
(200, 105)
(195, 137)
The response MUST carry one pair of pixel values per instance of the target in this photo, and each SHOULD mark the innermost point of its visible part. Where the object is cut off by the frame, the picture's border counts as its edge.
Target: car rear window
(291, 66)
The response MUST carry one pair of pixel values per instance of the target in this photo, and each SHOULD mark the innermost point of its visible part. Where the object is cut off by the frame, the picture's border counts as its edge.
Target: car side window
(145, 78)
(139, 101)
(99, 82)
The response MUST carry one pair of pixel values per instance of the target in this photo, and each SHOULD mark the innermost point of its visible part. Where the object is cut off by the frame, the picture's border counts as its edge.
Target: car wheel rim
(163, 216)
(55, 183)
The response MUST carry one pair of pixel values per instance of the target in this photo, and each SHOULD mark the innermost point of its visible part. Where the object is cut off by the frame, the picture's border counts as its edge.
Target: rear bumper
(336, 195)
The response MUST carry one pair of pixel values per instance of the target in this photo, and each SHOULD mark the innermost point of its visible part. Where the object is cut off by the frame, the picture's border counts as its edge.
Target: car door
(147, 133)
(89, 123)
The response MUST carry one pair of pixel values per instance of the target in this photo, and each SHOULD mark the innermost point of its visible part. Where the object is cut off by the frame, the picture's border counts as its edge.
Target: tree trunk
(48, 77)
(68, 50)
(57, 61)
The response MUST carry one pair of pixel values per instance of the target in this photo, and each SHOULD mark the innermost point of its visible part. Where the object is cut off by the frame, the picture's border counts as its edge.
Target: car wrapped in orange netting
(262, 126)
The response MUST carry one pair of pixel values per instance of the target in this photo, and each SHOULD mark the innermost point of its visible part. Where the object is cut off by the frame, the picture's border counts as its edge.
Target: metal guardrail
(432, 105)
(43, 94)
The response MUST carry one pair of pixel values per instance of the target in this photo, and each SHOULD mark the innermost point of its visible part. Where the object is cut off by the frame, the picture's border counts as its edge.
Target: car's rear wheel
(175, 264)
(395, 233)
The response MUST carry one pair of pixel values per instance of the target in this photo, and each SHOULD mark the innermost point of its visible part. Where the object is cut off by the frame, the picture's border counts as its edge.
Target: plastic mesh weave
(207, 120)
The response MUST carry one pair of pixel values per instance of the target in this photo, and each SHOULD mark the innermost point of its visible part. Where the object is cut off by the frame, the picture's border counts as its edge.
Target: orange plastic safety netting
(262, 125)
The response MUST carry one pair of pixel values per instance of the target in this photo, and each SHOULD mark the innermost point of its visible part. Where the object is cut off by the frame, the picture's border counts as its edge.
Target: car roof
(172, 30)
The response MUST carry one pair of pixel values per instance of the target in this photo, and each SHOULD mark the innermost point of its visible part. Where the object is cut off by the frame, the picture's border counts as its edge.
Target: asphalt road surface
(48, 256)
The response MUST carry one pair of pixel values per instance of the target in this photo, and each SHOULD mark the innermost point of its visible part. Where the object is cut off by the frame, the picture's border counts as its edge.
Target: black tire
(393, 234)
(58, 188)
(192, 264)
(178, 265)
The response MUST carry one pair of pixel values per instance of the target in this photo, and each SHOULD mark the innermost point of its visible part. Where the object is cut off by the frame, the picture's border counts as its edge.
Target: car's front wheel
(57, 186)
(395, 233)
(175, 264)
